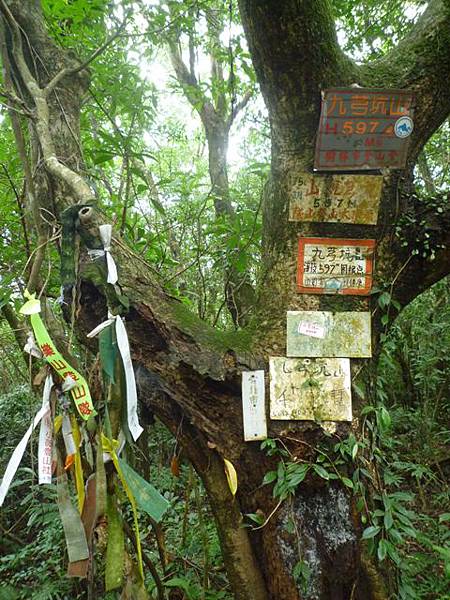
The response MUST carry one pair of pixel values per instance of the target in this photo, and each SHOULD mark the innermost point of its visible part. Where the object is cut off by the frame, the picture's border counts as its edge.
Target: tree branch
(16, 102)
(19, 209)
(190, 85)
(51, 85)
(426, 257)
(295, 53)
(33, 203)
(419, 62)
(18, 328)
(239, 107)
(215, 27)
(425, 173)
(74, 181)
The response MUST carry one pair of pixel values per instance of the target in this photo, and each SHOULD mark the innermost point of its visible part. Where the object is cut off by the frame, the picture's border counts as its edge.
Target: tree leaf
(256, 517)
(382, 550)
(388, 520)
(371, 532)
(269, 477)
(321, 472)
(384, 300)
(444, 517)
(231, 474)
(348, 482)
(385, 418)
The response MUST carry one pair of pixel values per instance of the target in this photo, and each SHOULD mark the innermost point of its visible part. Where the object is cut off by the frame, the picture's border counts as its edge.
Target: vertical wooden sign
(253, 406)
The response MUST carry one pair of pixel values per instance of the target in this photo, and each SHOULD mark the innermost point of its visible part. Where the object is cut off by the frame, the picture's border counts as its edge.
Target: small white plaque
(253, 406)
(311, 329)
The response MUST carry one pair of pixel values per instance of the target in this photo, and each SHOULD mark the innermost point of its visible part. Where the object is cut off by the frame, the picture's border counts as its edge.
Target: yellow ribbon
(110, 446)
(79, 479)
(57, 423)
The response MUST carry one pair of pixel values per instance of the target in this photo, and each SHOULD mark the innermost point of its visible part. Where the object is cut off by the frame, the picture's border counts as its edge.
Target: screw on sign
(363, 129)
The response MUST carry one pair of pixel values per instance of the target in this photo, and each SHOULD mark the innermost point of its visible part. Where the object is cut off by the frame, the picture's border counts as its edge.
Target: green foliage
(373, 27)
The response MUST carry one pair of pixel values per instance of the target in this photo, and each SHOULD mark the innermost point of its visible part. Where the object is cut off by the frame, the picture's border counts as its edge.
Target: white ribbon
(106, 235)
(68, 383)
(31, 347)
(69, 442)
(46, 436)
(17, 455)
(124, 349)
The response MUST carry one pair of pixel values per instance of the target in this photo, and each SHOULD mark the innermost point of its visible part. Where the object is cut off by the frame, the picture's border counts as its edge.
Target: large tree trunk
(296, 55)
(189, 374)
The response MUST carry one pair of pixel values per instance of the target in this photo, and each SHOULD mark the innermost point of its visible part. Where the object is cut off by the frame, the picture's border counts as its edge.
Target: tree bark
(189, 374)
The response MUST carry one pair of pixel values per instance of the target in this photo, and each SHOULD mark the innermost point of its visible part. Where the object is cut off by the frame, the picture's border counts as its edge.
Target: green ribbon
(147, 497)
(110, 446)
(77, 547)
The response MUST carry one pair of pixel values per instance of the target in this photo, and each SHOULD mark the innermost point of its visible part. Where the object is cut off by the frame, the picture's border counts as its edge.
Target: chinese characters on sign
(318, 333)
(335, 266)
(253, 405)
(45, 449)
(363, 129)
(335, 199)
(310, 389)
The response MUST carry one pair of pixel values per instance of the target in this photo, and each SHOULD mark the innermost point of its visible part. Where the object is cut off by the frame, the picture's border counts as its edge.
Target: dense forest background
(176, 145)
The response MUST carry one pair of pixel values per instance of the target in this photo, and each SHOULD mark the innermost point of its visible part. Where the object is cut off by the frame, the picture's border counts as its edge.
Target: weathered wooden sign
(335, 266)
(321, 333)
(335, 199)
(363, 129)
(310, 389)
(253, 406)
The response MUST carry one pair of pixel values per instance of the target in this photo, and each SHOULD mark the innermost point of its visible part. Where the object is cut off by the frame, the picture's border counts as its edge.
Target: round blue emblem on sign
(403, 127)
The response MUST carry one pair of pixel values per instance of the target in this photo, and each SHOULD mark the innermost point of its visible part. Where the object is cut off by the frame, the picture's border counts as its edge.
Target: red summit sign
(363, 129)
(335, 266)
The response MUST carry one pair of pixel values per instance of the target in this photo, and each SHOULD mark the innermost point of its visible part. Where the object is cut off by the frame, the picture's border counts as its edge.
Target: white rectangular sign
(310, 389)
(253, 406)
(312, 333)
